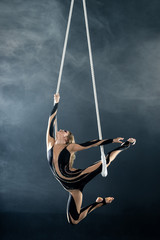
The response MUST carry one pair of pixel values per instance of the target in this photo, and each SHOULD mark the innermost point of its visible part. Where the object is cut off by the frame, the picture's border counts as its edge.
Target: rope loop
(103, 159)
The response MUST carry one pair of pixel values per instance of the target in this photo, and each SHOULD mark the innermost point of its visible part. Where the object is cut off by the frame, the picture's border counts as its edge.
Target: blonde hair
(71, 139)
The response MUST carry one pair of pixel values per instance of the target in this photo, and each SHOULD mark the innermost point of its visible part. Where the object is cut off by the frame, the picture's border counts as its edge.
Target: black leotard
(74, 179)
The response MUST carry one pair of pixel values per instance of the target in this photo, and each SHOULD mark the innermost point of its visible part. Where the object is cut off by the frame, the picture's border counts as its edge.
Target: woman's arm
(51, 122)
(94, 143)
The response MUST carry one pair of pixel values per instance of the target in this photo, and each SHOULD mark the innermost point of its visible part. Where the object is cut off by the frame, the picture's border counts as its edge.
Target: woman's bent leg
(74, 211)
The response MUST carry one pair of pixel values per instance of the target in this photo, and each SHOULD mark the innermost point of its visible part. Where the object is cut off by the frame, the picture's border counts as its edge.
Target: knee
(72, 221)
(73, 218)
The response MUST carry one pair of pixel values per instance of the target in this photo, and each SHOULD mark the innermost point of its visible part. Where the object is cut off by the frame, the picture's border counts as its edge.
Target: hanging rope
(65, 46)
(63, 55)
(104, 168)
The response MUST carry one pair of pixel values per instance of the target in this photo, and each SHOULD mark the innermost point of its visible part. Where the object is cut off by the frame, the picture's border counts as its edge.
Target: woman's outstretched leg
(74, 211)
(97, 166)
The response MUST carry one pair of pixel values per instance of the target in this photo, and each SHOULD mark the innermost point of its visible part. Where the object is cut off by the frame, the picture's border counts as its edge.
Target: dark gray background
(125, 37)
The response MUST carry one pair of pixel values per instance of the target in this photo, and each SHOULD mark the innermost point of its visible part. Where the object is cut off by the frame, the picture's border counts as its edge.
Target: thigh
(77, 185)
(90, 173)
(76, 196)
(93, 167)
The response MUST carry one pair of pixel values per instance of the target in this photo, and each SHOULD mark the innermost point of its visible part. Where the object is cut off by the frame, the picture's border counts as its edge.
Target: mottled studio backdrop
(125, 37)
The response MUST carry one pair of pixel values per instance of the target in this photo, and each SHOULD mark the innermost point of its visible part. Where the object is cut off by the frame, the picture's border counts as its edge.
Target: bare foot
(131, 140)
(107, 199)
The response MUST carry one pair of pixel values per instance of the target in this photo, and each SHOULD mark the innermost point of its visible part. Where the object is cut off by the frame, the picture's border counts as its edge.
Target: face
(62, 134)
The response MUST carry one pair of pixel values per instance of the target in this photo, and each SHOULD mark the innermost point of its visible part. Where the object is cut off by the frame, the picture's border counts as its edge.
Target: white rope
(104, 167)
(63, 55)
